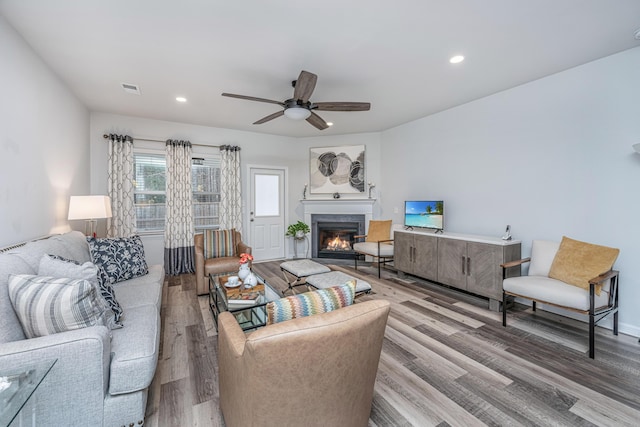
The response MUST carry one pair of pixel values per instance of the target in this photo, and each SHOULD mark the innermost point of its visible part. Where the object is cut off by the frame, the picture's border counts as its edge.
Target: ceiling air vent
(130, 88)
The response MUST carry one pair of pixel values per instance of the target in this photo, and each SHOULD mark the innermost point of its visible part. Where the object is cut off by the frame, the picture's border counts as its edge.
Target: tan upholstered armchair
(204, 267)
(310, 371)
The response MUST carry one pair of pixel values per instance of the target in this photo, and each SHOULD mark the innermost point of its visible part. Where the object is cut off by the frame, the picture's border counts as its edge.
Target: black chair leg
(592, 327)
(378, 268)
(504, 309)
(615, 323)
(533, 306)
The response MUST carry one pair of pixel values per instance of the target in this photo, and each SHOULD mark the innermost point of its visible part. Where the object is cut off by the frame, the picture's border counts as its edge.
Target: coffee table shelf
(247, 305)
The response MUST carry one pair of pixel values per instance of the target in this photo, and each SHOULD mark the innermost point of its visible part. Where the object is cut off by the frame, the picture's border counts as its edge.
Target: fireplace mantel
(340, 200)
(342, 205)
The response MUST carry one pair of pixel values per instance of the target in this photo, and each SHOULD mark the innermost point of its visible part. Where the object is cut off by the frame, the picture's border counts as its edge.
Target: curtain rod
(106, 136)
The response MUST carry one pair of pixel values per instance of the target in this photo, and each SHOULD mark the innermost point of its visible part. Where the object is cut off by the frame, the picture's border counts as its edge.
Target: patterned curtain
(230, 188)
(179, 250)
(120, 187)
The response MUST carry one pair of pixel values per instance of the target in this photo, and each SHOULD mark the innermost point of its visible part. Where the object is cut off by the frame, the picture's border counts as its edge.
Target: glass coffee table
(247, 305)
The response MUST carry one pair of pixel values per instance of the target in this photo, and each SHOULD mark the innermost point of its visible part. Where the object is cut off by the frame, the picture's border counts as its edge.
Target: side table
(17, 387)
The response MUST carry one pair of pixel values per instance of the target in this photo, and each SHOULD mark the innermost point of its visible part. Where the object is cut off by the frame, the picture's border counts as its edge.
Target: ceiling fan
(299, 107)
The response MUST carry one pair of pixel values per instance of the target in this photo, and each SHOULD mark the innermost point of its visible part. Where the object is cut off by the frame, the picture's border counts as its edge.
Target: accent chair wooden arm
(515, 263)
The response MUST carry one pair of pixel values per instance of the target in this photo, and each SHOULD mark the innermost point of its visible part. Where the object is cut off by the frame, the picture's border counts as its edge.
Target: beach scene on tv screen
(428, 214)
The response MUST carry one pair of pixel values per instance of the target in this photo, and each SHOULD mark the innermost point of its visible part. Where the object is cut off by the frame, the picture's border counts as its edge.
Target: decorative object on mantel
(336, 195)
(304, 192)
(337, 169)
(371, 187)
(244, 270)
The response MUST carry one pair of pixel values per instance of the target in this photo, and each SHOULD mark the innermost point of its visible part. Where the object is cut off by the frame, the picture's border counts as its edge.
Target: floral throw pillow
(120, 258)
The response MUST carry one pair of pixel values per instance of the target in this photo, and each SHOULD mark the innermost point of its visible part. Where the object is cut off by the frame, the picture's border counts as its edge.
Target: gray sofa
(101, 377)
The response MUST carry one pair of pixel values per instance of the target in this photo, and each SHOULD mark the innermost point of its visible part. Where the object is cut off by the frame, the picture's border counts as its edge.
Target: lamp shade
(89, 207)
(297, 113)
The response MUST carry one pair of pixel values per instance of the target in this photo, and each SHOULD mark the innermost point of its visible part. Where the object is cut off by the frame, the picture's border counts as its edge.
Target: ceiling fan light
(297, 113)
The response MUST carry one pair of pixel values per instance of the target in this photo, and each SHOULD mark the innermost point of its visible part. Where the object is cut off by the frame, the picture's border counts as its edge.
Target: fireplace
(333, 235)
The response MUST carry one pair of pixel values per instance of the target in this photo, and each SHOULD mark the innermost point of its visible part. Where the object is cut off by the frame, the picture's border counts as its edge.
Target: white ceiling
(392, 54)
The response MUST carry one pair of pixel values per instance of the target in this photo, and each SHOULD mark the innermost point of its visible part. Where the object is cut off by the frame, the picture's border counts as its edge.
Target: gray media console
(463, 261)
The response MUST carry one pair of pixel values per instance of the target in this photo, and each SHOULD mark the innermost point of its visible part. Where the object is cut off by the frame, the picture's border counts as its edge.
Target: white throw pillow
(542, 254)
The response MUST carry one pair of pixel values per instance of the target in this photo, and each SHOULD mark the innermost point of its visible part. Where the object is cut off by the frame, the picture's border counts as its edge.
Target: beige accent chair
(310, 371)
(377, 244)
(204, 267)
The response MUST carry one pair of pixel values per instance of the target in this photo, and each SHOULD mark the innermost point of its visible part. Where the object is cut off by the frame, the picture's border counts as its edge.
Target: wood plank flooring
(446, 361)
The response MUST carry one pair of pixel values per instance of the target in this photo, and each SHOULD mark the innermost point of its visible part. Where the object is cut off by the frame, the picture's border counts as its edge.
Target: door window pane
(267, 194)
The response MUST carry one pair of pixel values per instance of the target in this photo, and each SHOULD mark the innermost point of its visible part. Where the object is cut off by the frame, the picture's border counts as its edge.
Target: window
(150, 196)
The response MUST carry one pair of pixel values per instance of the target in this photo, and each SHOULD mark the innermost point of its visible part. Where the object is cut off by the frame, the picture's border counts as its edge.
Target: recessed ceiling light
(181, 99)
(456, 59)
(329, 123)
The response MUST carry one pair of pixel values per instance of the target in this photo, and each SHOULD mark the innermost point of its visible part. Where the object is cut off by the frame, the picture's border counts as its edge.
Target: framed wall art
(337, 170)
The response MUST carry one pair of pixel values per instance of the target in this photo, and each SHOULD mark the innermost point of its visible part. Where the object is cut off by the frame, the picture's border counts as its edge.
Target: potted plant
(298, 230)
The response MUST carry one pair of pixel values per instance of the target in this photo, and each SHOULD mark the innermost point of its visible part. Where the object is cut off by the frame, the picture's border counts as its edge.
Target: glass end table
(17, 386)
(247, 305)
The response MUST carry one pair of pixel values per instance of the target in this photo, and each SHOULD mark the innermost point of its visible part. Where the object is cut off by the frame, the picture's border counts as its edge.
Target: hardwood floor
(446, 360)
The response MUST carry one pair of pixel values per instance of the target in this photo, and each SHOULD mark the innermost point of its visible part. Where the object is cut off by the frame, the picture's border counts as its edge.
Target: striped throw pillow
(46, 305)
(309, 303)
(219, 243)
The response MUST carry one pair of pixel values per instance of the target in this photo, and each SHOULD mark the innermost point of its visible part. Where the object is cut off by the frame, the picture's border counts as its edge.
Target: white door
(266, 214)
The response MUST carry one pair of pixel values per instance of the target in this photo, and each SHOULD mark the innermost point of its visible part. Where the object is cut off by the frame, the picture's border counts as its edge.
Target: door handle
(468, 266)
(464, 263)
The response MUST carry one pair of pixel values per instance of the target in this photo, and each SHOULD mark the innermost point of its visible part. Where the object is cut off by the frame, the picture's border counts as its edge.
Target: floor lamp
(89, 208)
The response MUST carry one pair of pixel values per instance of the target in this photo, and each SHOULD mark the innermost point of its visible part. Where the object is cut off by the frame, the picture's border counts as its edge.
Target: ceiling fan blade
(253, 98)
(305, 85)
(317, 121)
(341, 106)
(269, 117)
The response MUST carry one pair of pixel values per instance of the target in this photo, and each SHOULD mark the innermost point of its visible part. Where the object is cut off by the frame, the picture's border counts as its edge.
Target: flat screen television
(424, 214)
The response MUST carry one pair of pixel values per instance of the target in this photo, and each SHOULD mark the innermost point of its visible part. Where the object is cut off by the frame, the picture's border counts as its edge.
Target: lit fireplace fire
(338, 244)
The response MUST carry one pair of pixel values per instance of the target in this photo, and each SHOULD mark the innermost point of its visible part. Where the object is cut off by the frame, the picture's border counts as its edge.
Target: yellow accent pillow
(378, 230)
(578, 262)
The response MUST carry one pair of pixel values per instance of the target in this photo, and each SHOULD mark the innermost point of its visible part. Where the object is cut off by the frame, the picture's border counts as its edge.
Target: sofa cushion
(55, 266)
(32, 252)
(219, 243)
(542, 254)
(552, 290)
(378, 230)
(578, 262)
(135, 351)
(310, 303)
(76, 245)
(143, 290)
(48, 305)
(122, 258)
(10, 327)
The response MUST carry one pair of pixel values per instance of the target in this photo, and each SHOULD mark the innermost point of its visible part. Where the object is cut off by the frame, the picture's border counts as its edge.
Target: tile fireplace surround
(342, 206)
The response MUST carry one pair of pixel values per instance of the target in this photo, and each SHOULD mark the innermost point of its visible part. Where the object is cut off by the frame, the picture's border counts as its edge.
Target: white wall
(44, 155)
(552, 157)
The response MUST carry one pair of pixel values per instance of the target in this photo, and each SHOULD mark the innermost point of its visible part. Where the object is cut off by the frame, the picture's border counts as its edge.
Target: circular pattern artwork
(337, 169)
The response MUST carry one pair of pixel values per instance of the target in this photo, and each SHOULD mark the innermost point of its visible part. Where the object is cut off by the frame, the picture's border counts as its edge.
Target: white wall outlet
(396, 210)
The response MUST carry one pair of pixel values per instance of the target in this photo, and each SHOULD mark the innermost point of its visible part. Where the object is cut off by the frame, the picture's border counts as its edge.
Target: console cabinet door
(425, 264)
(452, 263)
(403, 251)
(484, 275)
